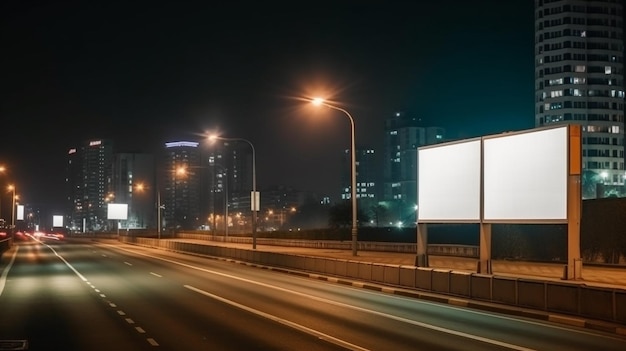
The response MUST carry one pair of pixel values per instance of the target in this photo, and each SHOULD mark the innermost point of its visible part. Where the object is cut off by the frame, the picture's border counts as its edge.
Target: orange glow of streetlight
(321, 102)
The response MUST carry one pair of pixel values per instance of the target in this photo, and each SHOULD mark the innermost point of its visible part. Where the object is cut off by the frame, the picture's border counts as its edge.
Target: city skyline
(86, 71)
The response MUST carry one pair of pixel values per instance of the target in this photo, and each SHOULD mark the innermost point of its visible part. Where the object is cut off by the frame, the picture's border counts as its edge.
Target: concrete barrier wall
(562, 297)
(460, 283)
(441, 280)
(531, 293)
(569, 298)
(433, 249)
(407, 276)
(424, 278)
(620, 306)
(598, 303)
(481, 287)
(504, 290)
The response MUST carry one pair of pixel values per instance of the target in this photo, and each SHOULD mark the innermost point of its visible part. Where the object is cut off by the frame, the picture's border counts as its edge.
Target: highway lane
(189, 302)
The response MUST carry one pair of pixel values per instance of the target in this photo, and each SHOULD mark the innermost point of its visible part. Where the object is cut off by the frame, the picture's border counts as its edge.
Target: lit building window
(580, 68)
(556, 93)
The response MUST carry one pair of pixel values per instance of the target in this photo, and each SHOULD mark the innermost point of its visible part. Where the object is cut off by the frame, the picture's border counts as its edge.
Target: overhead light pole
(12, 188)
(254, 196)
(141, 187)
(319, 101)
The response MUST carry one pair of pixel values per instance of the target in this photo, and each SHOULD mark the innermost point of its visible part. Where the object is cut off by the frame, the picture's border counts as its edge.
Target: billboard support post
(485, 248)
(574, 204)
(421, 260)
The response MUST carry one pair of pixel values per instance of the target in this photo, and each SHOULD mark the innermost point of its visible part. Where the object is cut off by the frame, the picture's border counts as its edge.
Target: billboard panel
(117, 211)
(525, 176)
(449, 182)
(57, 221)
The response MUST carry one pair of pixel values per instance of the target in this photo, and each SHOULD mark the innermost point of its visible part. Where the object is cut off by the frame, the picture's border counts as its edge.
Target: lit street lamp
(140, 187)
(2, 171)
(12, 188)
(319, 101)
(254, 194)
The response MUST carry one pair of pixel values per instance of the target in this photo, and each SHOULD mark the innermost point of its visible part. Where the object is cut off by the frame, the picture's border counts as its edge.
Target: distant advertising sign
(20, 212)
(117, 211)
(57, 221)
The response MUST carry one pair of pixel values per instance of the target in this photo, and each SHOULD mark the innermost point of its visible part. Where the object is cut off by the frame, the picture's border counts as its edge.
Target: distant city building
(367, 192)
(231, 164)
(180, 176)
(128, 171)
(88, 176)
(579, 79)
(278, 204)
(404, 134)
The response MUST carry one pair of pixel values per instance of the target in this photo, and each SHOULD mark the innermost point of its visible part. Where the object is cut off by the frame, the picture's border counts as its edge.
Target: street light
(140, 187)
(2, 171)
(254, 195)
(12, 188)
(317, 102)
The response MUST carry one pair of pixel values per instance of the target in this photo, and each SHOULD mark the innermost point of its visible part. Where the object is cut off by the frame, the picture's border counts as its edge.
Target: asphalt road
(102, 296)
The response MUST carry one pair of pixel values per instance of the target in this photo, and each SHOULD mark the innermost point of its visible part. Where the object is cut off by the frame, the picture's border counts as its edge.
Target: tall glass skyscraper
(579, 79)
(181, 174)
(88, 172)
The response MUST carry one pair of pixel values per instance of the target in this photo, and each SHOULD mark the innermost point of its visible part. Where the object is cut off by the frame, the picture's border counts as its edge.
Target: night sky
(143, 73)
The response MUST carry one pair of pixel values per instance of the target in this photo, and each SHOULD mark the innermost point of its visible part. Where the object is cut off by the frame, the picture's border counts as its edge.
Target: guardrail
(607, 304)
(433, 249)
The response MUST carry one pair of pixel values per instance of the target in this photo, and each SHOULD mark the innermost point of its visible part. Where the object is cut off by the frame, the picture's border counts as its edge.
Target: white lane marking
(5, 271)
(140, 330)
(120, 312)
(288, 323)
(156, 275)
(130, 321)
(400, 319)
(128, 263)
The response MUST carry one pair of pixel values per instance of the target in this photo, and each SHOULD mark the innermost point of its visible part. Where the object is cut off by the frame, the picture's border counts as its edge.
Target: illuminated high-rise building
(231, 171)
(579, 79)
(88, 177)
(366, 178)
(133, 183)
(180, 176)
(404, 134)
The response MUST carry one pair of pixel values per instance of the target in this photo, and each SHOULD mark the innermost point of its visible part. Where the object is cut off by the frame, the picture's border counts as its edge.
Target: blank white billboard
(117, 211)
(525, 176)
(57, 221)
(449, 182)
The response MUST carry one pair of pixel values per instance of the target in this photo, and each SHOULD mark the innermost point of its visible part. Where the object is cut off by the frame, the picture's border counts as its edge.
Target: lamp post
(159, 208)
(319, 101)
(253, 195)
(2, 171)
(12, 188)
(141, 187)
